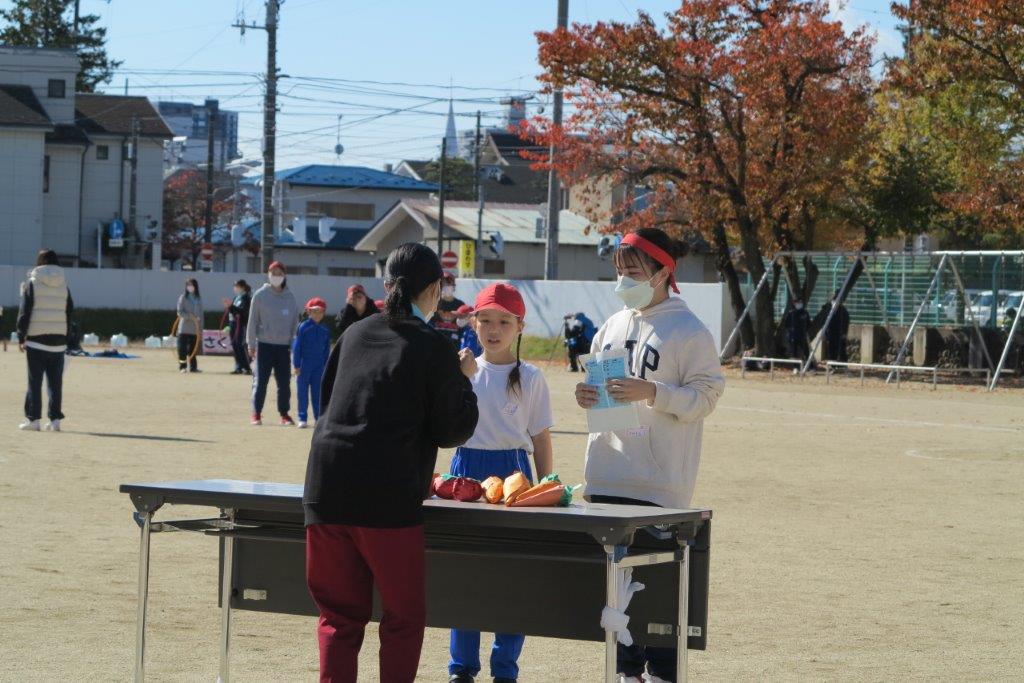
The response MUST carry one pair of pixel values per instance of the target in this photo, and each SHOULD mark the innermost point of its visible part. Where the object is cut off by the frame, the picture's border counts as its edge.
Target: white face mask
(799, 307)
(635, 294)
(190, 289)
(447, 292)
(276, 280)
(238, 292)
(462, 322)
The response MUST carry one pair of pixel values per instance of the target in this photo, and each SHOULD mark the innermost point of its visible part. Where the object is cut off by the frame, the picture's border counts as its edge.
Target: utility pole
(211, 123)
(479, 199)
(133, 232)
(269, 129)
(440, 209)
(77, 3)
(554, 190)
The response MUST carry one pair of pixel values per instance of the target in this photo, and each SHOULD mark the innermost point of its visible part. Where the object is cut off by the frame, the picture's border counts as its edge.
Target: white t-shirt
(509, 421)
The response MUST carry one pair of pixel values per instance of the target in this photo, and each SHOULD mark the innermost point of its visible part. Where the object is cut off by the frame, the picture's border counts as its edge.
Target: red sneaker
(287, 421)
(256, 420)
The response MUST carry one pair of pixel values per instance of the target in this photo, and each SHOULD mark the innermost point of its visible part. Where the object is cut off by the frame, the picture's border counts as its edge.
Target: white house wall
(296, 197)
(60, 204)
(322, 260)
(35, 68)
(21, 194)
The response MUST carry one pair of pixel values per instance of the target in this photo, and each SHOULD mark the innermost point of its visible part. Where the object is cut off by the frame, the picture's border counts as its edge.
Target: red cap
(316, 302)
(464, 309)
(501, 297)
(356, 288)
(277, 264)
(379, 303)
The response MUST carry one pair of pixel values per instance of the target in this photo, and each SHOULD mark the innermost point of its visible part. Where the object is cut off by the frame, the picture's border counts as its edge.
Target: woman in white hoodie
(675, 381)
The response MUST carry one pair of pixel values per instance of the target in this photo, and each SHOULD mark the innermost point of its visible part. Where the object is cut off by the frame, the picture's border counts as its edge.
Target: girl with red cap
(273, 319)
(515, 419)
(676, 381)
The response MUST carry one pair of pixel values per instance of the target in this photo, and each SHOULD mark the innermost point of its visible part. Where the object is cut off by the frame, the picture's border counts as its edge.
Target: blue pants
(308, 382)
(276, 359)
(465, 645)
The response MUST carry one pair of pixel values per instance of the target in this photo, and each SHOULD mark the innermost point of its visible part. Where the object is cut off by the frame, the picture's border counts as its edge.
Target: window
(352, 272)
(102, 152)
(46, 173)
(344, 211)
(494, 266)
(303, 270)
(55, 89)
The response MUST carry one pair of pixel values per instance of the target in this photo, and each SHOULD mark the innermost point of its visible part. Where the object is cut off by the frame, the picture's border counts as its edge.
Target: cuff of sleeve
(662, 396)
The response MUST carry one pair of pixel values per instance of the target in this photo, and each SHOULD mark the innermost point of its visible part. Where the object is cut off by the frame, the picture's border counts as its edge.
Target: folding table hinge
(670, 629)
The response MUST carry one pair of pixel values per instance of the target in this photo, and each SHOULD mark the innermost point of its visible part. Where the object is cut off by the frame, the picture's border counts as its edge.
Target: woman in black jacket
(403, 394)
(357, 307)
(238, 310)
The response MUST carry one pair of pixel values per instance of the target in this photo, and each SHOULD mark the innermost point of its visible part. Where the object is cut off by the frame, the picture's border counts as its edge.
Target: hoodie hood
(49, 275)
(670, 305)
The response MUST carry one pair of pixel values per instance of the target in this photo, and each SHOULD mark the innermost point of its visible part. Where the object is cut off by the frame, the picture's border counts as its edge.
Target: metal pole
(554, 191)
(479, 199)
(746, 312)
(1006, 348)
(440, 208)
(682, 638)
(269, 137)
(917, 316)
(970, 313)
(133, 192)
(225, 607)
(835, 305)
(211, 121)
(140, 619)
(612, 600)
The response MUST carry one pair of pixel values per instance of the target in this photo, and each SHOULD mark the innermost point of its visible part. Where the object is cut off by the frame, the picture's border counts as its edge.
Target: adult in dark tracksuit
(836, 333)
(190, 326)
(310, 350)
(238, 309)
(797, 322)
(44, 322)
(273, 320)
(400, 393)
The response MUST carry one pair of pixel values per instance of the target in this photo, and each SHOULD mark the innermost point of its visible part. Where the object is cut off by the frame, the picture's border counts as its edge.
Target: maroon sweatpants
(342, 565)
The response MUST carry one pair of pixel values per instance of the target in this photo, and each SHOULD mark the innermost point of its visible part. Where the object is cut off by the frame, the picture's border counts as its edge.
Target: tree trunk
(732, 281)
(764, 315)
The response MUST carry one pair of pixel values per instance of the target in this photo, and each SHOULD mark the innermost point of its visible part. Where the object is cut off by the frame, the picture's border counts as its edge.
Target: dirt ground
(859, 533)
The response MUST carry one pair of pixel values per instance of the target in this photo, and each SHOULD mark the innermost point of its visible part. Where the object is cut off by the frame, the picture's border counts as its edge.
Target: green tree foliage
(50, 23)
(458, 178)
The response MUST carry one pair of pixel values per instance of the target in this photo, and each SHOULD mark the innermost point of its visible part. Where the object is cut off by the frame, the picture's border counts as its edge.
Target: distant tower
(451, 136)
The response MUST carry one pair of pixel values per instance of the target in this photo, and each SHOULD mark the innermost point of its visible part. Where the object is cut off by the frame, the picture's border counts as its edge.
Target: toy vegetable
(547, 494)
(514, 486)
(466, 490)
(493, 489)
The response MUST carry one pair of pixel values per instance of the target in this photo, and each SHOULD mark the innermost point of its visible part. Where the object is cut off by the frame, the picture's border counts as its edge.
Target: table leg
(140, 619)
(682, 636)
(225, 611)
(612, 572)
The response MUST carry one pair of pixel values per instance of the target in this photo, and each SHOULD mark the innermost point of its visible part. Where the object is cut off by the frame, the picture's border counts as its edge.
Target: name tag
(637, 432)
(510, 408)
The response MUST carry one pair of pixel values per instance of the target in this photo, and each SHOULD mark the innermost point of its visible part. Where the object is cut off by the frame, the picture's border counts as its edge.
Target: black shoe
(504, 680)
(236, 371)
(460, 678)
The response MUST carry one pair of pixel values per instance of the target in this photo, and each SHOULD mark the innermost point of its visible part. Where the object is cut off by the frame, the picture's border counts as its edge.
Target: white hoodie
(658, 462)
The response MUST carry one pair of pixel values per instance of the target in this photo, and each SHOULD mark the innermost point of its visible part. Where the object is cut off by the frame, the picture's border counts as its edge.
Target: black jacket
(350, 315)
(396, 395)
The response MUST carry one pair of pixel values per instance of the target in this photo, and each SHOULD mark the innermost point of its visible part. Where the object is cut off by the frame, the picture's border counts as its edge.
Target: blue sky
(384, 55)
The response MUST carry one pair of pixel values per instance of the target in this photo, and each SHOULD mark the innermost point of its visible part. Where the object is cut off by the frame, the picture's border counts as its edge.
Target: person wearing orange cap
(515, 419)
(675, 381)
(357, 307)
(310, 350)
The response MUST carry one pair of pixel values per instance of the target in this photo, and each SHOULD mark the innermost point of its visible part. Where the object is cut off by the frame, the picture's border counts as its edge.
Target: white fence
(546, 301)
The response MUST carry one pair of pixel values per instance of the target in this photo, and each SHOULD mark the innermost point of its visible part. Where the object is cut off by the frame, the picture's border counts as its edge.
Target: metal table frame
(616, 562)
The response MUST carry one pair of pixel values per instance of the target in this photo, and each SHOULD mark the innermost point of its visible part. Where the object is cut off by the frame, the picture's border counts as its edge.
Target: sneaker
(651, 678)
(302, 424)
(29, 426)
(460, 678)
(287, 421)
(256, 420)
(504, 680)
(236, 371)
(195, 370)
(183, 371)
(53, 426)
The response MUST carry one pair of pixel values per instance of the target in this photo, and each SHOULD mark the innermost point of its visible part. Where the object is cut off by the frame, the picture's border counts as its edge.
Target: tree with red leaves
(185, 215)
(736, 117)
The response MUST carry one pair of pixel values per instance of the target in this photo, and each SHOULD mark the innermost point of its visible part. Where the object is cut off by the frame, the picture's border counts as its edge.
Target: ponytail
(515, 385)
(398, 304)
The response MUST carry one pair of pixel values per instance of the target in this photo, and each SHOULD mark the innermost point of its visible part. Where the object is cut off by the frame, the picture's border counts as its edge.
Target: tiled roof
(113, 114)
(322, 175)
(20, 107)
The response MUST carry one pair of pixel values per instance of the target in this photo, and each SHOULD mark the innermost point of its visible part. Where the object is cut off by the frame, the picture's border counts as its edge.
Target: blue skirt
(480, 464)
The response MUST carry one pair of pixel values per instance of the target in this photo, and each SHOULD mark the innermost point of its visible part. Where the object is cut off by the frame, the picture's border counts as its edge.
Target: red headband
(656, 253)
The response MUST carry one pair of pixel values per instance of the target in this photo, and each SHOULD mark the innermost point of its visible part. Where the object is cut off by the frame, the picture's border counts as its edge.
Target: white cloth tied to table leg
(616, 619)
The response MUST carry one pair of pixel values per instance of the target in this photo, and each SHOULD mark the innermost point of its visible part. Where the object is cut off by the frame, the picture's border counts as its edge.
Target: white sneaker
(629, 679)
(648, 678)
(183, 371)
(302, 424)
(29, 426)
(52, 426)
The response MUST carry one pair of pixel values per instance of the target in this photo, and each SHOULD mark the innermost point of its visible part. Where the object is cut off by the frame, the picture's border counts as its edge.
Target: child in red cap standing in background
(357, 307)
(310, 350)
(515, 416)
